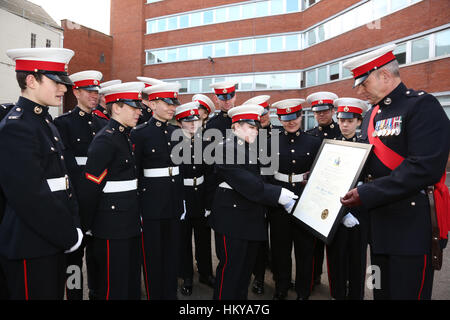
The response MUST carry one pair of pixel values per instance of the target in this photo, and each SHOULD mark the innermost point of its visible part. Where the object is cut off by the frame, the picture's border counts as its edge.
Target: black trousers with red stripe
(403, 277)
(40, 278)
(118, 268)
(236, 261)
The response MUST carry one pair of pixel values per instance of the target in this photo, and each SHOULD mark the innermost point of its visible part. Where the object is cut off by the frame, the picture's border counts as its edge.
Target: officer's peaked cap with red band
(128, 92)
(187, 112)
(289, 109)
(363, 65)
(53, 62)
(320, 101)
(204, 102)
(224, 90)
(88, 80)
(250, 113)
(165, 91)
(348, 108)
(260, 100)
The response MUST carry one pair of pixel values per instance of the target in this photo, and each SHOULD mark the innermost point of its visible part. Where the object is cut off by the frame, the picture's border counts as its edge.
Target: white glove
(207, 213)
(78, 244)
(184, 212)
(349, 220)
(288, 207)
(286, 196)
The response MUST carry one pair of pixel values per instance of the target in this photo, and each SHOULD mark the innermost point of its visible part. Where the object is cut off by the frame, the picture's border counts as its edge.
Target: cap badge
(192, 112)
(175, 94)
(346, 109)
(66, 67)
(139, 95)
(37, 110)
(288, 110)
(224, 91)
(320, 102)
(96, 82)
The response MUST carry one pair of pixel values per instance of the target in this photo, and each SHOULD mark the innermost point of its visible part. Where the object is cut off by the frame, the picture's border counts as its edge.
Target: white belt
(120, 186)
(289, 178)
(58, 184)
(225, 185)
(193, 182)
(81, 161)
(161, 172)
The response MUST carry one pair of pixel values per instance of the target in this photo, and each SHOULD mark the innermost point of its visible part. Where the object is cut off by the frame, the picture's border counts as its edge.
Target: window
(248, 11)
(292, 6)
(184, 21)
(311, 37)
(233, 48)
(151, 26)
(205, 84)
(276, 43)
(261, 45)
(345, 72)
(292, 80)
(33, 40)
(234, 13)
(398, 4)
(173, 23)
(172, 55)
(194, 85)
(442, 43)
(380, 8)
(162, 25)
(400, 53)
(262, 9)
(247, 46)
(247, 83)
(207, 50)
(261, 81)
(48, 43)
(183, 86)
(196, 52)
(308, 3)
(276, 6)
(334, 72)
(322, 75)
(420, 49)
(196, 19)
(311, 77)
(183, 53)
(292, 42)
(221, 49)
(276, 81)
(221, 15)
(208, 17)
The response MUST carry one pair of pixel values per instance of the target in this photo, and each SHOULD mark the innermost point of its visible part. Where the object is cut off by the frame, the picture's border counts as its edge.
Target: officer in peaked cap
(206, 107)
(78, 128)
(322, 105)
(147, 112)
(346, 255)
(161, 192)
(100, 110)
(34, 238)
(195, 219)
(297, 151)
(238, 209)
(109, 198)
(409, 132)
(225, 99)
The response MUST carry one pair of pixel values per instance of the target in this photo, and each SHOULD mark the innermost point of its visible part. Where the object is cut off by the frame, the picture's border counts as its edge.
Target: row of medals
(388, 127)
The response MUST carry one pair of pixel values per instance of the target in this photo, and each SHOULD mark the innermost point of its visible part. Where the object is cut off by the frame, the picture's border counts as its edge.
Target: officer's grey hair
(393, 68)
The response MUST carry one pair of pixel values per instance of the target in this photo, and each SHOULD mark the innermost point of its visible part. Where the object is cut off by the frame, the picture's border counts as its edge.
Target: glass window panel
(276, 6)
(151, 26)
(248, 11)
(247, 46)
(322, 75)
(160, 56)
(196, 52)
(349, 20)
(205, 84)
(420, 49)
(233, 48)
(194, 85)
(276, 81)
(207, 50)
(208, 16)
(364, 13)
(334, 71)
(234, 13)
(220, 49)
(442, 41)
(261, 45)
(292, 42)
(171, 55)
(311, 77)
(247, 83)
(262, 9)
(292, 80)
(345, 72)
(218, 80)
(380, 8)
(261, 81)
(311, 122)
(162, 25)
(183, 54)
(196, 19)
(292, 6)
(221, 15)
(276, 43)
(398, 4)
(184, 21)
(150, 58)
(172, 23)
(321, 33)
(184, 85)
(311, 37)
(400, 53)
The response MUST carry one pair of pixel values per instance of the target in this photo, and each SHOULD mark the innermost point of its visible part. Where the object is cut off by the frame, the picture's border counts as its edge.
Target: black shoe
(280, 296)
(258, 287)
(210, 281)
(186, 288)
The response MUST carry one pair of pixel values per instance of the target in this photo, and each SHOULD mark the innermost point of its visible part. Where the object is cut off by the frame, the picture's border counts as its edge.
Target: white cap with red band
(246, 112)
(166, 91)
(322, 100)
(205, 102)
(86, 79)
(109, 83)
(347, 107)
(123, 91)
(149, 81)
(188, 110)
(363, 65)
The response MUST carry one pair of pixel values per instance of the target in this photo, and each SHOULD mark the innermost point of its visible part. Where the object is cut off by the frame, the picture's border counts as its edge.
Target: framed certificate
(334, 172)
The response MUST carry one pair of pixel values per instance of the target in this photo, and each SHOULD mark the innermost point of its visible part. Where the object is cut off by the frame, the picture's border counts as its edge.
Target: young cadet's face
(47, 92)
(203, 114)
(127, 116)
(87, 100)
(348, 126)
(325, 117)
(162, 111)
(292, 126)
(246, 131)
(225, 105)
(190, 127)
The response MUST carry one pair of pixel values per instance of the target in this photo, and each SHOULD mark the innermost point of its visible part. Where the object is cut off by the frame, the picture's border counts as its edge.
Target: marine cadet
(206, 107)
(77, 128)
(109, 198)
(195, 219)
(322, 105)
(238, 209)
(346, 255)
(409, 132)
(297, 151)
(147, 112)
(41, 219)
(100, 110)
(161, 193)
